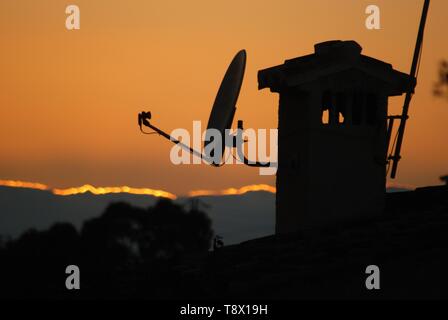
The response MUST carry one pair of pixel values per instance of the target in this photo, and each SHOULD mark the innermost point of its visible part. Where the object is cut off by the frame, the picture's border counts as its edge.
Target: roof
(329, 58)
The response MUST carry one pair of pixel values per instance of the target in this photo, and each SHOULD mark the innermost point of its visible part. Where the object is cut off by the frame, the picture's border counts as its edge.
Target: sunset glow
(106, 190)
(233, 191)
(88, 188)
(70, 98)
(139, 191)
(23, 184)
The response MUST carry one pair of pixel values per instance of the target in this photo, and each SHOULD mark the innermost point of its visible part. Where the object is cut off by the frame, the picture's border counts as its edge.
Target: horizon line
(132, 190)
(154, 192)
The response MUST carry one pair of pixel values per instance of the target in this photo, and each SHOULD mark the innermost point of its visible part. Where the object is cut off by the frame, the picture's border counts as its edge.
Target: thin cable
(153, 132)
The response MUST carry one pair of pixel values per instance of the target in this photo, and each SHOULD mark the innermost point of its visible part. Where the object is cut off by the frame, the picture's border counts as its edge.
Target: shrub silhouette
(121, 253)
(441, 86)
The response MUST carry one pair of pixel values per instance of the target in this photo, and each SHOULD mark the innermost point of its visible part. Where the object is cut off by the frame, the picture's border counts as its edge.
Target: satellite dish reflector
(224, 107)
(221, 118)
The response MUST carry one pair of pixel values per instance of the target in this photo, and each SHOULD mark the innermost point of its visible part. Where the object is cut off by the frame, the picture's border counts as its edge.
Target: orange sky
(69, 99)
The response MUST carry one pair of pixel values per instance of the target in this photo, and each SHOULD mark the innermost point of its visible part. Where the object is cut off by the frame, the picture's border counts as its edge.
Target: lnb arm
(143, 119)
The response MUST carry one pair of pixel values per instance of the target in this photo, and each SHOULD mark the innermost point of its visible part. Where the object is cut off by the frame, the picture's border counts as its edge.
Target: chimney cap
(335, 59)
(344, 48)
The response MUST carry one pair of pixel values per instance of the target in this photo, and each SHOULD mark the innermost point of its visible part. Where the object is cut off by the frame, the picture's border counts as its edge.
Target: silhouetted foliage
(125, 252)
(162, 252)
(444, 179)
(441, 86)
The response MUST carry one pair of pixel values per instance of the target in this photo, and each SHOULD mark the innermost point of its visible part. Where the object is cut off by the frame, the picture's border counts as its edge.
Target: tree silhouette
(444, 179)
(441, 86)
(121, 253)
(441, 90)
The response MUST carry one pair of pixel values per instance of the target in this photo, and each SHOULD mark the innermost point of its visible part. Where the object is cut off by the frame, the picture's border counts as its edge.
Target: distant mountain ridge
(235, 217)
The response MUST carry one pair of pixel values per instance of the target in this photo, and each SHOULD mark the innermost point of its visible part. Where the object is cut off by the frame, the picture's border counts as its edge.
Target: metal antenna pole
(175, 141)
(143, 120)
(418, 45)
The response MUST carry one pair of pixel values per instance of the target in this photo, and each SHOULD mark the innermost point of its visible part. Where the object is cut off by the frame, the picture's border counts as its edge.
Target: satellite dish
(224, 107)
(221, 116)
